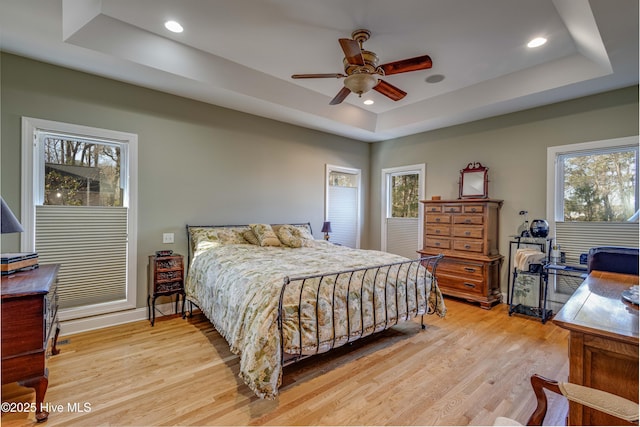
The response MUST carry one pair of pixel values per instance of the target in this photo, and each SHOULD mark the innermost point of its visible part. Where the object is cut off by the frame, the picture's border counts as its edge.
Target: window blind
(342, 213)
(577, 238)
(402, 237)
(90, 243)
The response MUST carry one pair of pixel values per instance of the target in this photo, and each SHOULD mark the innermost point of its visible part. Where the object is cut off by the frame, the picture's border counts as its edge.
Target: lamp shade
(8, 221)
(326, 227)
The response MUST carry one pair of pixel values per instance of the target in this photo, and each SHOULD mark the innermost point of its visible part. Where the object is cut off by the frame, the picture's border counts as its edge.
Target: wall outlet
(167, 237)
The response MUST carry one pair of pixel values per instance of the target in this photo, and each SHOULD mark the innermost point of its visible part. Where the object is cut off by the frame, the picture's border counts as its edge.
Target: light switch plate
(167, 237)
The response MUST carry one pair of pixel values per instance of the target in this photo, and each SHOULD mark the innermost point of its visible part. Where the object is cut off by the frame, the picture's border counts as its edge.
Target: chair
(615, 259)
(597, 399)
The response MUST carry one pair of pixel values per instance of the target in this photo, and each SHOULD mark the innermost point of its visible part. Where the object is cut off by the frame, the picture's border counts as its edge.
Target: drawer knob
(470, 285)
(437, 243)
(473, 209)
(437, 231)
(467, 221)
(467, 246)
(437, 219)
(467, 233)
(470, 270)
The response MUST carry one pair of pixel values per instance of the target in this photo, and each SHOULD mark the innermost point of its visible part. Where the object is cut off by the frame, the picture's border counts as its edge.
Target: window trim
(556, 201)
(32, 176)
(385, 198)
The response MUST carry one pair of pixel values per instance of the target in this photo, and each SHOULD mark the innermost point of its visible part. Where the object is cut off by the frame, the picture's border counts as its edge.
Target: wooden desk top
(598, 308)
(36, 281)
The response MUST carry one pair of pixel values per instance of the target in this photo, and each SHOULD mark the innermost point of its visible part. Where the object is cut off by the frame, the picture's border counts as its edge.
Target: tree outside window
(600, 186)
(81, 173)
(404, 196)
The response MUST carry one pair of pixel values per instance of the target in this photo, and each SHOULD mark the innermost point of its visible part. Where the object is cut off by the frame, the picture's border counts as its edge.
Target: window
(593, 197)
(343, 205)
(78, 190)
(401, 216)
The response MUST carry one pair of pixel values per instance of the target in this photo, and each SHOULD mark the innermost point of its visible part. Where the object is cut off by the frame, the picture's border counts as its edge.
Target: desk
(603, 341)
(30, 328)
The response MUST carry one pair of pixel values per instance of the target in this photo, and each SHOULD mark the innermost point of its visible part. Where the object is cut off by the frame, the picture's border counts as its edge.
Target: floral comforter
(238, 287)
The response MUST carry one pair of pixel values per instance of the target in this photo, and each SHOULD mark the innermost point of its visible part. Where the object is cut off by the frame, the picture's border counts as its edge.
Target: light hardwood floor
(465, 369)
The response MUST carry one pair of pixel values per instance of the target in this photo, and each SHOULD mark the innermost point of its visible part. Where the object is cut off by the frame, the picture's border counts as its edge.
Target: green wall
(197, 163)
(200, 163)
(512, 146)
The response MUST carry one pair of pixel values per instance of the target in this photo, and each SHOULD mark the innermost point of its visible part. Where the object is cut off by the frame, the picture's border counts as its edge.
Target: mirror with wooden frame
(473, 181)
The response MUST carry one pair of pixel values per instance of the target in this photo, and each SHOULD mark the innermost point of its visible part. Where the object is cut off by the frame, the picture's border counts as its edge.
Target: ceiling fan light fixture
(361, 82)
(368, 102)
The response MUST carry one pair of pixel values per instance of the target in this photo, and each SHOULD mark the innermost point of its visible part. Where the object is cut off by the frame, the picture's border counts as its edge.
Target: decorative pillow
(265, 235)
(304, 232)
(250, 237)
(207, 237)
(232, 237)
(287, 236)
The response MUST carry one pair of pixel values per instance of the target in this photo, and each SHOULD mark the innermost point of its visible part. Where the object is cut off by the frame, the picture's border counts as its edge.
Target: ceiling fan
(363, 72)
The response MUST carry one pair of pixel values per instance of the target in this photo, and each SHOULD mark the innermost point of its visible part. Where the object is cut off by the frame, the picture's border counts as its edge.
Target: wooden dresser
(466, 232)
(603, 342)
(30, 328)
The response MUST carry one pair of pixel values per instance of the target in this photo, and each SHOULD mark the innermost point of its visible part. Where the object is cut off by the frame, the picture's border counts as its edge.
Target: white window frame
(32, 194)
(387, 173)
(351, 171)
(555, 199)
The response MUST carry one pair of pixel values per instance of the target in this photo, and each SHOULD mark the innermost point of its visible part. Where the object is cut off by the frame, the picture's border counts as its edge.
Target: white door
(343, 205)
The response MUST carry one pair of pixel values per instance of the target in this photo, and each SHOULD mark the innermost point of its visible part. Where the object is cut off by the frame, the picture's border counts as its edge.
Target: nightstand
(166, 277)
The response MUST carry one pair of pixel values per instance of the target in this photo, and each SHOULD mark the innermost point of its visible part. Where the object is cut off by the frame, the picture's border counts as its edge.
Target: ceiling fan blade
(317, 76)
(352, 52)
(390, 90)
(344, 92)
(406, 65)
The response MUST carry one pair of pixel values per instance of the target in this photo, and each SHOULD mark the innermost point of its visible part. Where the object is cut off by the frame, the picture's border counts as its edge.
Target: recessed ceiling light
(368, 102)
(537, 42)
(435, 78)
(173, 26)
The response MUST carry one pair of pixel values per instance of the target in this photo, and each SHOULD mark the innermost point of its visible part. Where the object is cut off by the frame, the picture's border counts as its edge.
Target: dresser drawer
(452, 208)
(468, 285)
(469, 231)
(433, 208)
(439, 219)
(473, 209)
(461, 268)
(170, 263)
(468, 219)
(439, 243)
(468, 245)
(163, 287)
(438, 229)
(170, 275)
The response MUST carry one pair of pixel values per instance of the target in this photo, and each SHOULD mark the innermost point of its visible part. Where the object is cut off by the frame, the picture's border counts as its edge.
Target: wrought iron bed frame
(428, 262)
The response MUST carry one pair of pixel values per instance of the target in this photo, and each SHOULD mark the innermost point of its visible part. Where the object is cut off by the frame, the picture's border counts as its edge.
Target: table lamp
(326, 229)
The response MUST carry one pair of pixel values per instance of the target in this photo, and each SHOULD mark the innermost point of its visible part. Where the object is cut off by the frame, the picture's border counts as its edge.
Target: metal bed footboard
(428, 262)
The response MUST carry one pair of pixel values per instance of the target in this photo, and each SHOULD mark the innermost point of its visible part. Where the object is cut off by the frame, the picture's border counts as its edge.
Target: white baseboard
(75, 326)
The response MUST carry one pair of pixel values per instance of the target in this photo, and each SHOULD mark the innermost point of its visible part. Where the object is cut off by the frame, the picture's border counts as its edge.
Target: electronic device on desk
(164, 253)
(11, 263)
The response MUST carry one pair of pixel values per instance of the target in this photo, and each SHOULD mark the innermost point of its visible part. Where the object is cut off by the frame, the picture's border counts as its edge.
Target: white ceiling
(240, 54)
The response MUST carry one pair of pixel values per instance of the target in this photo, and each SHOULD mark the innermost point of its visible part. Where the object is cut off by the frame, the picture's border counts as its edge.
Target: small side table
(166, 277)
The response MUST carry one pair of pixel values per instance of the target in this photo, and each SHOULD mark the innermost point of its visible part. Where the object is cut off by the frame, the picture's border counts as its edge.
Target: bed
(277, 295)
